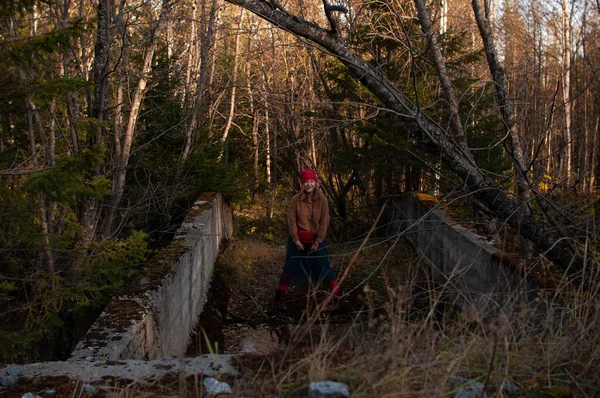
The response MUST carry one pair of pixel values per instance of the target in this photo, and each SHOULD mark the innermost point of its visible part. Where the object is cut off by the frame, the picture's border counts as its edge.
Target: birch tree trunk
(583, 149)
(233, 83)
(596, 156)
(566, 88)
(255, 144)
(199, 112)
(271, 138)
(191, 65)
(140, 90)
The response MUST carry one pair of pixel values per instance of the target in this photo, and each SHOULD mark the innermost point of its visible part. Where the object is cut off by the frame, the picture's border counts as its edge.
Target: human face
(309, 185)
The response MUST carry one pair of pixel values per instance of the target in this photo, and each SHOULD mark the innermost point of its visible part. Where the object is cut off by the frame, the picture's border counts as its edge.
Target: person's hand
(314, 247)
(299, 245)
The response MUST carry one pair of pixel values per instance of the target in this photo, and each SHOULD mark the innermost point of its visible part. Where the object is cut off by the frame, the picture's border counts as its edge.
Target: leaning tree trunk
(517, 141)
(452, 148)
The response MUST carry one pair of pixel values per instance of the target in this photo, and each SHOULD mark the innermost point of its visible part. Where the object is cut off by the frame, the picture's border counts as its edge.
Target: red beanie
(308, 174)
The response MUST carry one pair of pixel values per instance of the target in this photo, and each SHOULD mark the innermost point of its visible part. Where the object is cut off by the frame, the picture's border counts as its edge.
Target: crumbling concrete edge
(468, 266)
(136, 370)
(155, 313)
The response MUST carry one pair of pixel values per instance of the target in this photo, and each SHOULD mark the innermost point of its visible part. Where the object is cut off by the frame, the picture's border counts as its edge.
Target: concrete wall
(471, 270)
(154, 314)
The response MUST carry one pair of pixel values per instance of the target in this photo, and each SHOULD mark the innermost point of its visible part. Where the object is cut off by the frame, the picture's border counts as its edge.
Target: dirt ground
(279, 352)
(239, 317)
(385, 340)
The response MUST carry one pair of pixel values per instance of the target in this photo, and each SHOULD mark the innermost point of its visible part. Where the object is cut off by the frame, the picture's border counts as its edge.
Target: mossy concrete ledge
(470, 268)
(155, 313)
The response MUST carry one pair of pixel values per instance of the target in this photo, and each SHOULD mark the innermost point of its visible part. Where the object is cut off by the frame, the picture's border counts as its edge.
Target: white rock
(8, 381)
(468, 388)
(215, 387)
(328, 389)
(13, 372)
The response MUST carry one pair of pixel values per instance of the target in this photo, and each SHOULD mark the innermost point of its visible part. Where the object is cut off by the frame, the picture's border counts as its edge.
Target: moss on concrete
(121, 314)
(157, 268)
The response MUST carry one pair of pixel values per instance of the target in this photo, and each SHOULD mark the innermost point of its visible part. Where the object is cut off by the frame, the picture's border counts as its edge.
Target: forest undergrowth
(398, 333)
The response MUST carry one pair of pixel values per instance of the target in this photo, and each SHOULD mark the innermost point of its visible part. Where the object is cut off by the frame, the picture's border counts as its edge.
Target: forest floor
(278, 353)
(239, 317)
(395, 335)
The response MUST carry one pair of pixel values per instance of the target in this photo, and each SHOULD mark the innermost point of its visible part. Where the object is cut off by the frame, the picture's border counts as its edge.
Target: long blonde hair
(316, 193)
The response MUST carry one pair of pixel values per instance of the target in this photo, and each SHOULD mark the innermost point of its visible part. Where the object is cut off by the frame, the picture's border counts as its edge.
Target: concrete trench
(473, 271)
(220, 331)
(145, 332)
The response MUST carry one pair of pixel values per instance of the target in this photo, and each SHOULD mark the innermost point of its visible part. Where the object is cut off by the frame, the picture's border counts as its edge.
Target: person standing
(306, 256)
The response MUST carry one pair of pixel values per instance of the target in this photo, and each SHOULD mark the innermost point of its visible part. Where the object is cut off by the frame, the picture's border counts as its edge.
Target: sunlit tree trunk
(268, 146)
(138, 95)
(537, 123)
(596, 156)
(566, 89)
(233, 82)
(583, 149)
(443, 17)
(255, 144)
(595, 166)
(191, 69)
(270, 135)
(199, 112)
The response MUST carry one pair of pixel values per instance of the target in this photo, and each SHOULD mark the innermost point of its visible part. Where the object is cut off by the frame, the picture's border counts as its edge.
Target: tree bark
(101, 61)
(566, 88)
(253, 104)
(518, 143)
(200, 109)
(99, 105)
(191, 65)
(444, 78)
(123, 157)
(233, 82)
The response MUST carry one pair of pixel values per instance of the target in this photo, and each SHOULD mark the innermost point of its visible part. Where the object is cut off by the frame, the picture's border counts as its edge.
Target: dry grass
(395, 346)
(395, 336)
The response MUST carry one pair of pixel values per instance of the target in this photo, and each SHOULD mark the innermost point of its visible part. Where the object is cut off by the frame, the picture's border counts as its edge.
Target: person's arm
(293, 222)
(323, 221)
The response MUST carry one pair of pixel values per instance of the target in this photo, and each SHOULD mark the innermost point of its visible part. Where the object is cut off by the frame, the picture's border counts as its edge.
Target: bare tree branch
(428, 133)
